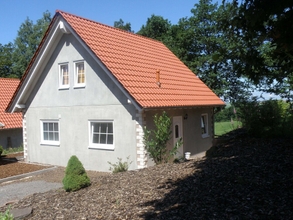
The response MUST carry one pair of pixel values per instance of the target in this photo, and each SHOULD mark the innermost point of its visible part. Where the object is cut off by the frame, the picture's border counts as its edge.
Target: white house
(90, 89)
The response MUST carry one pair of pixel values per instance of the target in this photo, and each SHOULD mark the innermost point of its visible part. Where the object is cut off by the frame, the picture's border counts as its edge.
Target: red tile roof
(134, 61)
(7, 89)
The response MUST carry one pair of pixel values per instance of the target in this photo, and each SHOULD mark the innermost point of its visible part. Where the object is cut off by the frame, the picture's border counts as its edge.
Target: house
(10, 124)
(90, 89)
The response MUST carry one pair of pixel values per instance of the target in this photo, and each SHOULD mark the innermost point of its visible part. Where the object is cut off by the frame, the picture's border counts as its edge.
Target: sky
(15, 12)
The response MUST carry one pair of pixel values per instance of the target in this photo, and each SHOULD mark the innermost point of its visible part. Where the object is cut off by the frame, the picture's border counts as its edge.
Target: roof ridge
(108, 26)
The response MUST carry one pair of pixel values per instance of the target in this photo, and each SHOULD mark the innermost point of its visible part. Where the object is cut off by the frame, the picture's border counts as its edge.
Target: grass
(222, 128)
(12, 150)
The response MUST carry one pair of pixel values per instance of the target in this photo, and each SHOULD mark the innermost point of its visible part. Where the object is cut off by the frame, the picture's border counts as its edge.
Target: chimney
(158, 78)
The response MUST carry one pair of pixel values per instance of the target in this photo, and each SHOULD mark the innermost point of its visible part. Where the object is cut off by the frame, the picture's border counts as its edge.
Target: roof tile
(10, 120)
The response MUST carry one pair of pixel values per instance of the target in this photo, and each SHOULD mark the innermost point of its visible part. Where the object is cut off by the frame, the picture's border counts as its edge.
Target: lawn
(225, 127)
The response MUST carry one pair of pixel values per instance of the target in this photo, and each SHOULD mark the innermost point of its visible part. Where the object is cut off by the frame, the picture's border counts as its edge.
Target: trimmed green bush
(75, 175)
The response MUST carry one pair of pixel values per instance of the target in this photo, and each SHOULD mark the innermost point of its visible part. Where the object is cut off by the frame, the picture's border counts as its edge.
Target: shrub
(270, 118)
(1, 150)
(120, 166)
(75, 175)
(155, 141)
(6, 215)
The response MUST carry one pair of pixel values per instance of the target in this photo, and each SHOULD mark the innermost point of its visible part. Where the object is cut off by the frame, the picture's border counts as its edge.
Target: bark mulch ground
(10, 166)
(244, 178)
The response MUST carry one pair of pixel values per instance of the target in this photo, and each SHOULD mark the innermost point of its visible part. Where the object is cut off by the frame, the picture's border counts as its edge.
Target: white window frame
(98, 145)
(204, 119)
(76, 84)
(61, 85)
(49, 142)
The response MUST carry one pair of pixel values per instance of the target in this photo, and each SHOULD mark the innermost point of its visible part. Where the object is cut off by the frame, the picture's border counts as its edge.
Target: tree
(27, 41)
(6, 60)
(267, 30)
(156, 28)
(120, 24)
(205, 45)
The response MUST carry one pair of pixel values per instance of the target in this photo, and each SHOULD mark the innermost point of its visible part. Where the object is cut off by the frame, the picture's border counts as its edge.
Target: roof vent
(1, 125)
(158, 78)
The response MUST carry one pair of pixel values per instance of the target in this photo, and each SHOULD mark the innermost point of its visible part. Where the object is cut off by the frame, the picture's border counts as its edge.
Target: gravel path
(13, 192)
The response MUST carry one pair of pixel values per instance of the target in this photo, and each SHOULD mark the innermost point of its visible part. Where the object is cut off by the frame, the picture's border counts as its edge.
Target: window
(63, 76)
(204, 125)
(101, 134)
(50, 132)
(79, 74)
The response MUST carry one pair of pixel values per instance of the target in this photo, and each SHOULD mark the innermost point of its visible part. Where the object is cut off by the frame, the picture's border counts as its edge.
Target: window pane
(50, 126)
(110, 128)
(45, 136)
(110, 139)
(104, 128)
(56, 136)
(103, 139)
(50, 136)
(45, 126)
(56, 127)
(176, 131)
(95, 138)
(95, 126)
(80, 73)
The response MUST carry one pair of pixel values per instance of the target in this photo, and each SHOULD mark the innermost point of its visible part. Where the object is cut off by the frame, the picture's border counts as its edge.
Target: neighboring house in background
(90, 89)
(10, 124)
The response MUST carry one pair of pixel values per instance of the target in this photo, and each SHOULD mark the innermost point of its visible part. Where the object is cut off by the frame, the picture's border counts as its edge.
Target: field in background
(225, 127)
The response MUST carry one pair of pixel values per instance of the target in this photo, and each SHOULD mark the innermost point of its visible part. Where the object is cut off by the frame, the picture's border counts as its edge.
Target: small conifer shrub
(75, 175)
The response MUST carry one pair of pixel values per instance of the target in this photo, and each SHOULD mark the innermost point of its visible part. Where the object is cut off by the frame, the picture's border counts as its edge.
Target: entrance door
(178, 133)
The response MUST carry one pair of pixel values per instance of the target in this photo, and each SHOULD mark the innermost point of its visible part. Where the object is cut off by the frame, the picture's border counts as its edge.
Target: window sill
(79, 86)
(64, 88)
(50, 143)
(102, 147)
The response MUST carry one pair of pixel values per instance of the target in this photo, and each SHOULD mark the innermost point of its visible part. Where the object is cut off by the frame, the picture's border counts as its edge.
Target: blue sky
(14, 12)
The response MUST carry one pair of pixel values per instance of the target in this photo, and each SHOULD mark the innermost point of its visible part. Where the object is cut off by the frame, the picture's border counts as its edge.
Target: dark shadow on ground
(5, 160)
(244, 178)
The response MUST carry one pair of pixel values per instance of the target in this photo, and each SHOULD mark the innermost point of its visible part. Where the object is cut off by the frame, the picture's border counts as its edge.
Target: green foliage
(1, 150)
(268, 35)
(156, 28)
(6, 215)
(6, 60)
(155, 141)
(75, 175)
(13, 150)
(226, 114)
(120, 166)
(27, 41)
(271, 118)
(120, 24)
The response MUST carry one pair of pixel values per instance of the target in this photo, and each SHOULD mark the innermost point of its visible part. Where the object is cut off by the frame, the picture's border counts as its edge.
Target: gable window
(50, 132)
(204, 125)
(79, 74)
(63, 76)
(101, 134)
